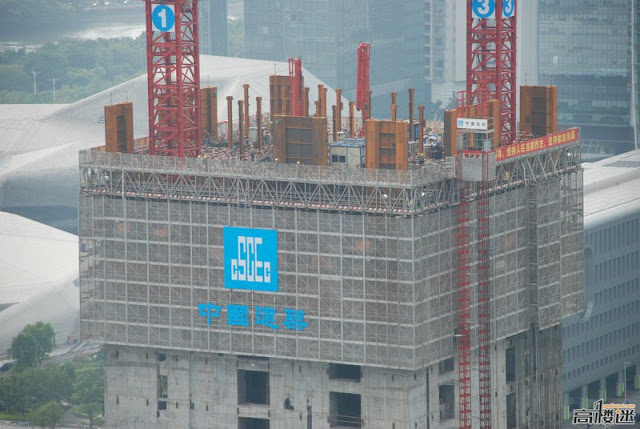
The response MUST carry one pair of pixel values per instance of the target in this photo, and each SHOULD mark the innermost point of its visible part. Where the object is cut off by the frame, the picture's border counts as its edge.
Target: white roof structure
(40, 143)
(38, 278)
(611, 185)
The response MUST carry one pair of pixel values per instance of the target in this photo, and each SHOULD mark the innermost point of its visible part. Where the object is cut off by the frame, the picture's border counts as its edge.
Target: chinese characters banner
(530, 146)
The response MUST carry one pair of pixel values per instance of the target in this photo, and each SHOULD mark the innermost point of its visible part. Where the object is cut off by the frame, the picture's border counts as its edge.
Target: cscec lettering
(248, 266)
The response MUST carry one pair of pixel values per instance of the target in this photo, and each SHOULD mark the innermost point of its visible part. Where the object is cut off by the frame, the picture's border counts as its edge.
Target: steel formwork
(369, 255)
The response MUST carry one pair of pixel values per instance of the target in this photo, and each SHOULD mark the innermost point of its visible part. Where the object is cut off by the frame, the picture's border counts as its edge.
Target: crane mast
(173, 73)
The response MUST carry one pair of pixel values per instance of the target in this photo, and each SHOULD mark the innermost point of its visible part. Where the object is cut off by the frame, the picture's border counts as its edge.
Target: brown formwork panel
(279, 94)
(299, 139)
(209, 110)
(386, 144)
(552, 110)
(494, 115)
(538, 110)
(305, 101)
(118, 128)
(450, 132)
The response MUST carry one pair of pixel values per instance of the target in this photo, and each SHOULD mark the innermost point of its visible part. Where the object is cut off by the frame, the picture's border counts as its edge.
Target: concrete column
(567, 410)
(394, 101)
(603, 389)
(335, 123)
(241, 130)
(338, 114)
(352, 122)
(420, 136)
(247, 121)
(411, 136)
(636, 384)
(230, 122)
(585, 396)
(620, 386)
(259, 120)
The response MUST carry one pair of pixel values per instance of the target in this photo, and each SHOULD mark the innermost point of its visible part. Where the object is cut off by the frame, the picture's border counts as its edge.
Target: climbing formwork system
(367, 253)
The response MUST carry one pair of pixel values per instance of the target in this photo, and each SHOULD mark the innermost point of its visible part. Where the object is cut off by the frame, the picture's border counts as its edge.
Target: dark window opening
(249, 423)
(511, 411)
(162, 357)
(341, 159)
(253, 387)
(163, 387)
(162, 405)
(445, 366)
(510, 358)
(344, 372)
(446, 397)
(344, 410)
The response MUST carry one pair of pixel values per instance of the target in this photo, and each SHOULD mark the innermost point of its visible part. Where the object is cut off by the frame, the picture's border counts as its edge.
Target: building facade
(601, 347)
(326, 34)
(213, 27)
(587, 53)
(257, 295)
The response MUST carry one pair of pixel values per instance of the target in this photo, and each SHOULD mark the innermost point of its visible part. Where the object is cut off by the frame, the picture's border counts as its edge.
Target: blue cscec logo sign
(251, 259)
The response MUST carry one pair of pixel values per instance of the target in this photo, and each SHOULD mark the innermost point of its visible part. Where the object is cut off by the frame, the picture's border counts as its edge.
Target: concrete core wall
(150, 388)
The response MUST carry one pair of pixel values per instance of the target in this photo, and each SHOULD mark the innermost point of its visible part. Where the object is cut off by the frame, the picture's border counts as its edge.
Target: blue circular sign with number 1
(163, 18)
(483, 8)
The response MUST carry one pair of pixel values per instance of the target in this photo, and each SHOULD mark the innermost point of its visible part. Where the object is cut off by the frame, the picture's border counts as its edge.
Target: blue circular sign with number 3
(483, 8)
(508, 8)
(163, 18)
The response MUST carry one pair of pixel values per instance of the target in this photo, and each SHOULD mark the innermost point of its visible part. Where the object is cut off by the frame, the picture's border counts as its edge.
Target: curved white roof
(38, 278)
(611, 185)
(40, 143)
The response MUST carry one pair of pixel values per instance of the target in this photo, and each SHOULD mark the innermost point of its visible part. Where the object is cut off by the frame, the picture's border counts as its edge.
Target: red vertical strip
(484, 297)
(295, 86)
(464, 312)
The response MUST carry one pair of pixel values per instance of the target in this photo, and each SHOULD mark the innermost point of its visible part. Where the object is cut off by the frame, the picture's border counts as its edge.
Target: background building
(326, 34)
(587, 52)
(213, 27)
(635, 94)
(602, 342)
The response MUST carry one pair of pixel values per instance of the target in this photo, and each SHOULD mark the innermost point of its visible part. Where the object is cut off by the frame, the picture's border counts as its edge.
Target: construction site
(297, 270)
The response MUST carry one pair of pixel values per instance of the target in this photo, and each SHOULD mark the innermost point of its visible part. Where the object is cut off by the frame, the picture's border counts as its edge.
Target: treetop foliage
(32, 345)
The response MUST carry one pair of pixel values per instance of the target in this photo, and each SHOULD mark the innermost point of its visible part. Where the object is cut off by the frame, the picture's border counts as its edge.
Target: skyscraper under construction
(276, 291)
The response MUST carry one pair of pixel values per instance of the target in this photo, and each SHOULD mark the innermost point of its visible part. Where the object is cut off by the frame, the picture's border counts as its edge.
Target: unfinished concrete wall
(201, 391)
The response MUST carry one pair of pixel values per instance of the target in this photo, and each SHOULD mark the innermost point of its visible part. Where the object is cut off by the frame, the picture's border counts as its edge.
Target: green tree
(31, 388)
(47, 415)
(32, 345)
(89, 390)
(13, 77)
(13, 393)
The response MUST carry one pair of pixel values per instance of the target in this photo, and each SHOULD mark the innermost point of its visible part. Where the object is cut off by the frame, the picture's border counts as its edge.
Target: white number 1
(163, 16)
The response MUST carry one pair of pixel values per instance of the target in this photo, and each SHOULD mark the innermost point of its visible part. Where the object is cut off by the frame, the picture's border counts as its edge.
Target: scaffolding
(369, 255)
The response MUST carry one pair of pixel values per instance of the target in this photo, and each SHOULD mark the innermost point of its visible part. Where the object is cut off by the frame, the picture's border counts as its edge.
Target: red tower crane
(491, 60)
(491, 74)
(295, 86)
(362, 95)
(173, 73)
